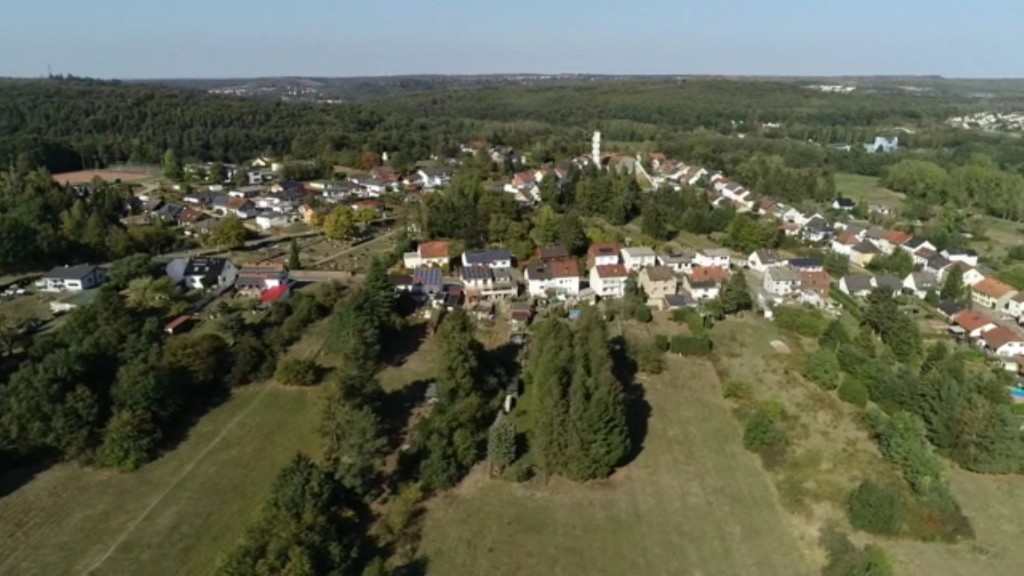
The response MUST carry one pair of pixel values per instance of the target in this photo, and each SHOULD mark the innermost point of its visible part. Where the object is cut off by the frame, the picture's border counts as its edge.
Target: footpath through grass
(693, 502)
(174, 516)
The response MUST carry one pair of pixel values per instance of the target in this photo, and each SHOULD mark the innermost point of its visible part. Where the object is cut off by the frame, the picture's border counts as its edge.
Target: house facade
(72, 278)
(761, 260)
(992, 293)
(635, 258)
(609, 280)
(427, 254)
(713, 258)
(557, 278)
(658, 282)
(201, 273)
(680, 262)
(602, 254)
(780, 281)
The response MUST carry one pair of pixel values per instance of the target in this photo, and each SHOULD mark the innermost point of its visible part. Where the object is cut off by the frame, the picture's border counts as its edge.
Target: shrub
(661, 342)
(876, 507)
(822, 367)
(643, 314)
(297, 372)
(649, 359)
(854, 391)
(736, 390)
(845, 559)
(765, 435)
(699, 345)
(804, 321)
(520, 471)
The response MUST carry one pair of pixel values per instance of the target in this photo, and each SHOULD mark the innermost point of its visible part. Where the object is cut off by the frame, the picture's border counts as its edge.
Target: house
(200, 273)
(635, 258)
(913, 244)
(482, 281)
(883, 145)
(920, 283)
(1003, 342)
(993, 293)
(269, 220)
(972, 276)
(817, 229)
(887, 282)
(965, 255)
(843, 243)
(864, 252)
(843, 204)
(658, 282)
(609, 280)
(254, 279)
(922, 255)
(402, 282)
(880, 209)
(761, 260)
(555, 277)
(428, 280)
(240, 207)
(476, 277)
(519, 314)
(818, 282)
(602, 254)
(807, 264)
(679, 262)
(430, 178)
(433, 253)
(950, 308)
(780, 281)
(1015, 306)
(974, 323)
(713, 258)
(72, 278)
(704, 283)
(493, 258)
(891, 240)
(552, 253)
(675, 302)
(856, 285)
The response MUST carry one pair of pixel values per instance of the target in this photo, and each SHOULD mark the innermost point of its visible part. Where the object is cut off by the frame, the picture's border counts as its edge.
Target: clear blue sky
(236, 38)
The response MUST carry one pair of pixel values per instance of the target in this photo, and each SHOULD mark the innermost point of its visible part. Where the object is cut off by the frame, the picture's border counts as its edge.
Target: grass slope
(693, 502)
(174, 516)
(866, 189)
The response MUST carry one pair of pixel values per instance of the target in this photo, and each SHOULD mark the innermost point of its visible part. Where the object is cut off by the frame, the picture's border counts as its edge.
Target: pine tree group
(579, 408)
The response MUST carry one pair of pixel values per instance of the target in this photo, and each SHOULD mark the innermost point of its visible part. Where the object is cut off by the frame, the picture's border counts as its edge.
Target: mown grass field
(172, 517)
(866, 189)
(693, 502)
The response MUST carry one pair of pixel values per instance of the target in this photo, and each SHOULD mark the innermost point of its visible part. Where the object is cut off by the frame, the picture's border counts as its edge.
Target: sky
(236, 38)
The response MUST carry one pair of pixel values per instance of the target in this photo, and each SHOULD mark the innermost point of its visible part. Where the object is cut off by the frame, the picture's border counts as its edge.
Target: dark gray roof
(677, 300)
(205, 266)
(818, 223)
(887, 281)
(913, 243)
(783, 274)
(806, 263)
(76, 272)
(476, 273)
(938, 262)
(857, 282)
(925, 280)
(845, 202)
(951, 307)
(865, 247)
(486, 257)
(429, 276)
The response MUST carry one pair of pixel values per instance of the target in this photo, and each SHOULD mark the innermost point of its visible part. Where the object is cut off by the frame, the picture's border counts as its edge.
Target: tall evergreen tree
(953, 286)
(501, 443)
(547, 375)
(294, 262)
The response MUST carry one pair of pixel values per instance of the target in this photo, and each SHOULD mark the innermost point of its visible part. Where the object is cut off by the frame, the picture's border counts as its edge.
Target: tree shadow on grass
(400, 344)
(638, 409)
(17, 473)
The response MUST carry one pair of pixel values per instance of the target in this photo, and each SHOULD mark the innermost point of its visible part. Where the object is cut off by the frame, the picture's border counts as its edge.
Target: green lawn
(866, 189)
(693, 502)
(174, 516)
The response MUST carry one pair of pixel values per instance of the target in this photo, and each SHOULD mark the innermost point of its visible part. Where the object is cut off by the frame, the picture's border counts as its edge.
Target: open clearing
(174, 516)
(693, 502)
(866, 189)
(87, 176)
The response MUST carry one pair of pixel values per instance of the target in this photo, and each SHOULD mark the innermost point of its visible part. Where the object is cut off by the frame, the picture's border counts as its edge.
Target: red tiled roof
(992, 288)
(611, 271)
(818, 281)
(705, 273)
(896, 237)
(997, 337)
(564, 269)
(971, 320)
(435, 249)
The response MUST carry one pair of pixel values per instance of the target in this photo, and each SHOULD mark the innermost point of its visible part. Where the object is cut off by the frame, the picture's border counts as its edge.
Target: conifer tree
(547, 376)
(501, 443)
(294, 263)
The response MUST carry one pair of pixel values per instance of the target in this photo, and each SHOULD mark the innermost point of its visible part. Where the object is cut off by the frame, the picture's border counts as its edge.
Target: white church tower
(595, 150)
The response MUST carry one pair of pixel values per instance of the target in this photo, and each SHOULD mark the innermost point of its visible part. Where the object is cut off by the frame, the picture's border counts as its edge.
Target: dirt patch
(86, 176)
(780, 347)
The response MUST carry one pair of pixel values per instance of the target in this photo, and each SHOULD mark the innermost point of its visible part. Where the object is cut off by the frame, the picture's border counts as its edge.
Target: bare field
(86, 176)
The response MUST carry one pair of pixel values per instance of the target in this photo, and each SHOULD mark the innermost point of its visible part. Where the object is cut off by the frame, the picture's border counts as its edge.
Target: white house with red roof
(609, 280)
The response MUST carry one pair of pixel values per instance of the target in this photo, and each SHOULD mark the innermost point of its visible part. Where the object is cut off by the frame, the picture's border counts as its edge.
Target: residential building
(950, 308)
(974, 323)
(433, 253)
(993, 293)
(920, 283)
(705, 282)
(780, 281)
(965, 255)
(807, 264)
(887, 282)
(658, 282)
(1015, 306)
(817, 229)
(863, 252)
(552, 253)
(713, 258)
(761, 260)
(636, 257)
(428, 280)
(818, 282)
(553, 278)
(675, 302)
(937, 265)
(602, 254)
(679, 262)
(922, 255)
(856, 285)
(914, 243)
(843, 243)
(844, 204)
(201, 273)
(609, 280)
(492, 258)
(269, 220)
(277, 294)
(256, 278)
(72, 278)
(971, 275)
(891, 240)
(1003, 342)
